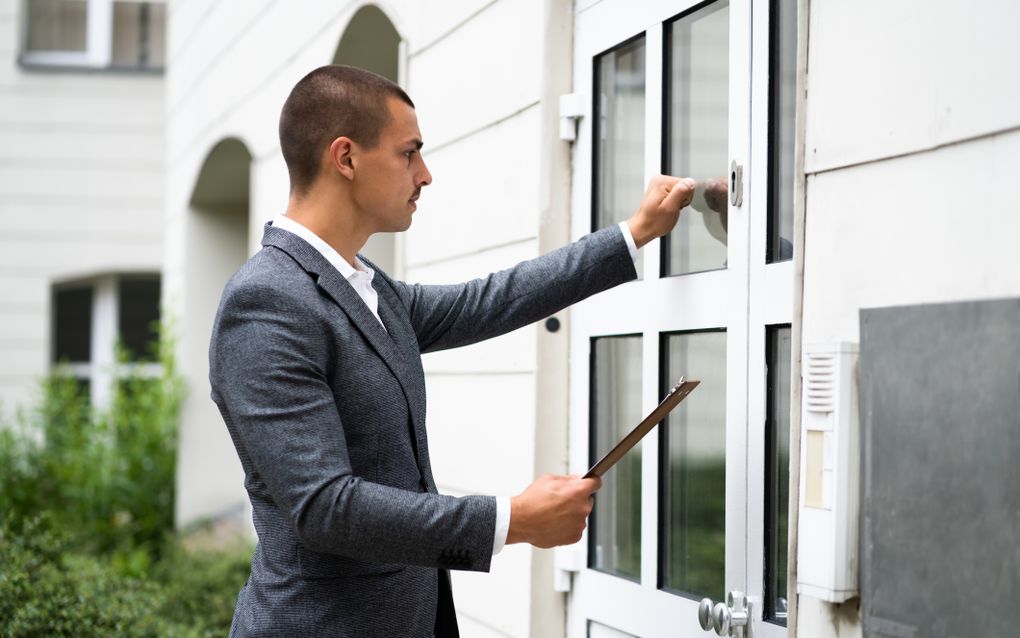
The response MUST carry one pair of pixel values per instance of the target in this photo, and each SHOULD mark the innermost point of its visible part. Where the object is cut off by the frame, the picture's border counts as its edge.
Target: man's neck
(334, 224)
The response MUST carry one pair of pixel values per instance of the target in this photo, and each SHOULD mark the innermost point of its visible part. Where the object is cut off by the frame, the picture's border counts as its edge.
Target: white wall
(482, 128)
(476, 71)
(81, 188)
(912, 141)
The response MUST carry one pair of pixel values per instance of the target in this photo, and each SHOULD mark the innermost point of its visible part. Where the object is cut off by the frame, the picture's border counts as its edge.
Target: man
(315, 364)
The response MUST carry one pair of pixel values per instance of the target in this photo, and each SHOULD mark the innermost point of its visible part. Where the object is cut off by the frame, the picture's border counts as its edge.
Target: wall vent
(820, 381)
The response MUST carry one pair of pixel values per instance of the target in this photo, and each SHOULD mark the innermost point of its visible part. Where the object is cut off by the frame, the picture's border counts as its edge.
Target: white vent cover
(819, 381)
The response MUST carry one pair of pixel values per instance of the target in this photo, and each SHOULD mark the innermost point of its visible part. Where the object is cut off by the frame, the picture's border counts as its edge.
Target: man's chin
(400, 226)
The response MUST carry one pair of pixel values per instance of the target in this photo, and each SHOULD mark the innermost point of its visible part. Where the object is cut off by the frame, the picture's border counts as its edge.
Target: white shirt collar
(283, 222)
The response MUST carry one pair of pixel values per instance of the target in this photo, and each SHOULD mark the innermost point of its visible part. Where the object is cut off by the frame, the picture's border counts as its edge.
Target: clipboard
(679, 392)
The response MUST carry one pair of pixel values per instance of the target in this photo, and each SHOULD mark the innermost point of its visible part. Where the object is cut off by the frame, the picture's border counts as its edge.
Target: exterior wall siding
(81, 190)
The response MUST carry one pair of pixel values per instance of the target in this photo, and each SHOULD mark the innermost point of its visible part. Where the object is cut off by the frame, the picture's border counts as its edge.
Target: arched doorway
(371, 42)
(209, 478)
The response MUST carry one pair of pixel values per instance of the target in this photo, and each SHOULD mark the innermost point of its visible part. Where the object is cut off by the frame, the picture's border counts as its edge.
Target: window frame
(98, 53)
(102, 370)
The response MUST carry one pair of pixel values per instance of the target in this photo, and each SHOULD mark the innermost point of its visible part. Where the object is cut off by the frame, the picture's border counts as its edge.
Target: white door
(699, 509)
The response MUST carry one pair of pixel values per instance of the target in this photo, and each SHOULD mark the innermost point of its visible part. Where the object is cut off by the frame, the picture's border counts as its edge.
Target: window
(696, 136)
(782, 128)
(615, 538)
(138, 316)
(619, 133)
(72, 323)
(693, 451)
(91, 318)
(98, 34)
(777, 471)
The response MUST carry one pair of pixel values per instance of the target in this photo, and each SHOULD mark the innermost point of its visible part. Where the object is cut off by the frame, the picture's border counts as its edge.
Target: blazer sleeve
(449, 316)
(267, 372)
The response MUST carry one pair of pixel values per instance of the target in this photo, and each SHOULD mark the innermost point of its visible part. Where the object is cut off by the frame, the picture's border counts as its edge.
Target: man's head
(330, 102)
(359, 130)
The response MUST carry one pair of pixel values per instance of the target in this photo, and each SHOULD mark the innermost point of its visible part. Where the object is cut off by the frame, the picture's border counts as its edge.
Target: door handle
(732, 618)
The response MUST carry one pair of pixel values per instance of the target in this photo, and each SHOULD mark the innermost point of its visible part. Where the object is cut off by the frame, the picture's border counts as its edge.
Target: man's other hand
(660, 207)
(552, 511)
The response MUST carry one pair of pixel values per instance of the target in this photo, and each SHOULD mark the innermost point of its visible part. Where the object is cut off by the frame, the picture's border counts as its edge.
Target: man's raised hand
(660, 207)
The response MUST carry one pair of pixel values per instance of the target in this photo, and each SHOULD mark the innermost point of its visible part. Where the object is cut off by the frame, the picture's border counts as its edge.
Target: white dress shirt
(360, 277)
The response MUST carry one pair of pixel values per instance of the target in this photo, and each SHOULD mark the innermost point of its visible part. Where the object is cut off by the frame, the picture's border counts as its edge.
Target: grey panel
(940, 501)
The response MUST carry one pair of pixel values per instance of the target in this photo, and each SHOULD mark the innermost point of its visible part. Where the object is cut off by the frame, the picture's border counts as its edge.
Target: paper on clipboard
(679, 392)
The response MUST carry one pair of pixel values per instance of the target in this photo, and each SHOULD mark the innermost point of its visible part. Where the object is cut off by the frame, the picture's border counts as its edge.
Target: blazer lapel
(406, 369)
(400, 330)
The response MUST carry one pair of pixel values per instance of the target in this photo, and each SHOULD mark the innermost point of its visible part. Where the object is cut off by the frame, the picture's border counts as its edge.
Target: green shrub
(200, 587)
(49, 589)
(87, 544)
(109, 475)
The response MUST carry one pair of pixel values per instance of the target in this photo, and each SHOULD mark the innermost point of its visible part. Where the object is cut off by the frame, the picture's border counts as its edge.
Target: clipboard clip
(677, 394)
(675, 387)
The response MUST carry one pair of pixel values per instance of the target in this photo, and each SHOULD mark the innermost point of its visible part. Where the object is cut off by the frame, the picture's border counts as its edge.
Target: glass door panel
(783, 132)
(614, 539)
(619, 132)
(777, 471)
(694, 468)
(697, 135)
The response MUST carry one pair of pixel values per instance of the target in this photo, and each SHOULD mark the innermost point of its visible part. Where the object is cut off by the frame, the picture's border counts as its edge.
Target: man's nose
(424, 177)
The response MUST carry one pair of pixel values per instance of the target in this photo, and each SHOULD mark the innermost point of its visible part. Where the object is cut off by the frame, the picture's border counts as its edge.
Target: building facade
(844, 152)
(81, 189)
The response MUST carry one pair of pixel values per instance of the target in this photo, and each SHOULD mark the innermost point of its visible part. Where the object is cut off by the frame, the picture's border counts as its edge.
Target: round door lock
(705, 614)
(722, 618)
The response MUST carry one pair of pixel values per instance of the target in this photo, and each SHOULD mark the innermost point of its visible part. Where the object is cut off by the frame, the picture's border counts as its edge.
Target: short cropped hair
(330, 102)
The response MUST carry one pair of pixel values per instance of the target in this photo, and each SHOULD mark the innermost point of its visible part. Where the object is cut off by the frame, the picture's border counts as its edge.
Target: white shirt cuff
(629, 238)
(502, 524)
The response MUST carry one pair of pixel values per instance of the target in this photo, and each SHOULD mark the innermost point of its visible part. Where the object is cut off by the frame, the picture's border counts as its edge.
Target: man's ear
(341, 153)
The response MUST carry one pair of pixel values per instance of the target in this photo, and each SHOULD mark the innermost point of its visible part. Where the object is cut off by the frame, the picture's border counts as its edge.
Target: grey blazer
(327, 412)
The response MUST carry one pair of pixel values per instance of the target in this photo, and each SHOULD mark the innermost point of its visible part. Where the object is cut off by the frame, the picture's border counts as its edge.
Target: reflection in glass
(619, 133)
(782, 115)
(56, 25)
(694, 445)
(615, 523)
(777, 495)
(697, 123)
